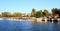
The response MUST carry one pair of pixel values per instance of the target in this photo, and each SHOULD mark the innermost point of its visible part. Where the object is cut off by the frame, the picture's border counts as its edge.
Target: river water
(6, 25)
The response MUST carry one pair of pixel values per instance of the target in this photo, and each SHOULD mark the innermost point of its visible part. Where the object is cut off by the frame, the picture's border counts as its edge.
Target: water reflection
(28, 26)
(56, 27)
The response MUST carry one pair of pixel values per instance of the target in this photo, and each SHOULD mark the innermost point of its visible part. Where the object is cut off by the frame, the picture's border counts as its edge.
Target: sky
(26, 6)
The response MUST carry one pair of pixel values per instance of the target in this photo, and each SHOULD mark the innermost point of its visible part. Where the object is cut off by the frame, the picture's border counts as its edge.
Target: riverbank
(31, 19)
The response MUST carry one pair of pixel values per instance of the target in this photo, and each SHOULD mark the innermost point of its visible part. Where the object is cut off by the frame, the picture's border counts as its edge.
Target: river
(6, 25)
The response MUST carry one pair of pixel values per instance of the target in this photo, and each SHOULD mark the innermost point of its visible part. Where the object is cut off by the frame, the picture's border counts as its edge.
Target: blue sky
(25, 6)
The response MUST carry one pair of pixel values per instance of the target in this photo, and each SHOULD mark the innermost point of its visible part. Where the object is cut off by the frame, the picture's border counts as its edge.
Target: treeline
(34, 13)
(8, 14)
(45, 13)
(39, 13)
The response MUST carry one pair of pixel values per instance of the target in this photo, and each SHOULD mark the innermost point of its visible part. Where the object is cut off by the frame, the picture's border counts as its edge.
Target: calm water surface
(6, 25)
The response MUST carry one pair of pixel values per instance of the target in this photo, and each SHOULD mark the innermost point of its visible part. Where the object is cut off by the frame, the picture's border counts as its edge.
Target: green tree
(38, 14)
(0, 15)
(58, 12)
(41, 13)
(54, 11)
(46, 13)
(33, 13)
(6, 14)
(17, 14)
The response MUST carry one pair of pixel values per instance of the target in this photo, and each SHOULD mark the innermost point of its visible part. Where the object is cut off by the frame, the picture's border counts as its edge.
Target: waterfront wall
(20, 19)
(39, 19)
(32, 19)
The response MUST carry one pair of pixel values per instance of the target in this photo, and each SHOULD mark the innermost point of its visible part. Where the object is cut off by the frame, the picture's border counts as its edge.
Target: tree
(38, 14)
(17, 14)
(58, 12)
(0, 16)
(41, 13)
(33, 13)
(54, 11)
(46, 13)
(6, 14)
